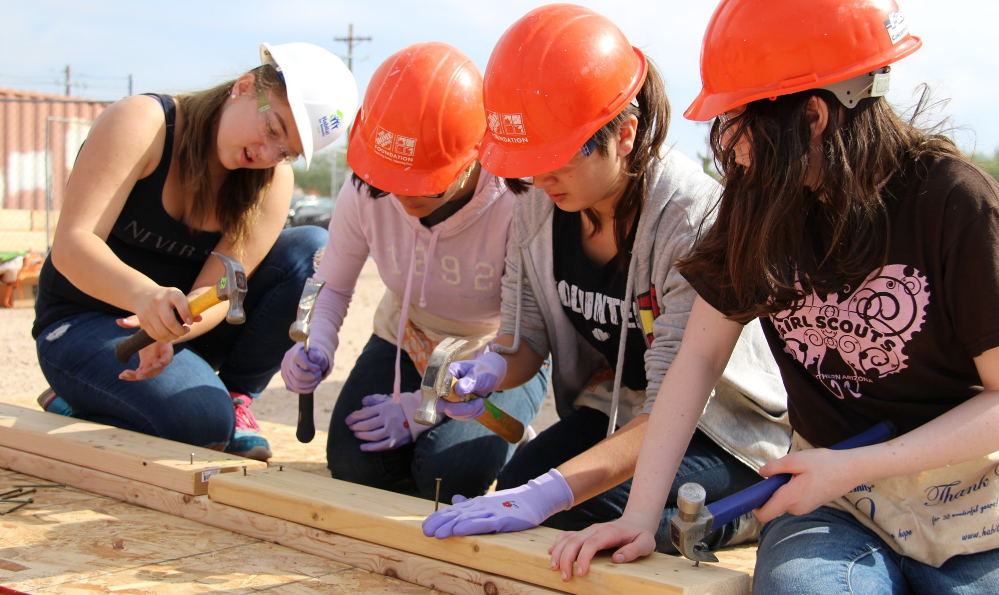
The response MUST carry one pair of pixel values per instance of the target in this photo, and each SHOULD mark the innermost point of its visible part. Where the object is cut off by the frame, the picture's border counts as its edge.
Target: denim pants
(465, 455)
(828, 552)
(705, 463)
(187, 402)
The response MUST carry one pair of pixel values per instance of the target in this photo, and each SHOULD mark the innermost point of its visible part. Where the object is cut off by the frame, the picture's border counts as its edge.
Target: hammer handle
(502, 423)
(129, 346)
(306, 429)
(753, 497)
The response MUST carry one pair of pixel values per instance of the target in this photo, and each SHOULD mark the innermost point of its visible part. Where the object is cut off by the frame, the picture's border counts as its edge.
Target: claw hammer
(438, 383)
(694, 522)
(231, 287)
(299, 333)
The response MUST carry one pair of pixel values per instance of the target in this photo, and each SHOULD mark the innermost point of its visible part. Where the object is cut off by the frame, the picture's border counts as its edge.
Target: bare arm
(606, 464)
(707, 345)
(520, 366)
(966, 432)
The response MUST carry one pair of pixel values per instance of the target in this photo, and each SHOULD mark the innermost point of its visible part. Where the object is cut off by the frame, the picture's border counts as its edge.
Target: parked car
(310, 210)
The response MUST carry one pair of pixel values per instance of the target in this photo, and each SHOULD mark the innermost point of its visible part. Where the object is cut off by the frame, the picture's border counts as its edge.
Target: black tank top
(145, 237)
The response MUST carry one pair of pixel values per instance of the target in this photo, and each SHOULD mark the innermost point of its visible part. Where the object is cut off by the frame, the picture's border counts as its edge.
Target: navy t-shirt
(593, 298)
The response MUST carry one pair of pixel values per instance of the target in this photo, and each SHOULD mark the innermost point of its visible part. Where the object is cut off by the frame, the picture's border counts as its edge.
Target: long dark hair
(238, 202)
(775, 241)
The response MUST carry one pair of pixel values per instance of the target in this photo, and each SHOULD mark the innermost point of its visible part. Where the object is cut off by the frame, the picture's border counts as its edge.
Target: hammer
(299, 333)
(439, 383)
(231, 287)
(694, 522)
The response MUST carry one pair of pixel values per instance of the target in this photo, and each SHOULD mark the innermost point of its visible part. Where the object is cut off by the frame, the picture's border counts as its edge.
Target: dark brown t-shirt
(900, 346)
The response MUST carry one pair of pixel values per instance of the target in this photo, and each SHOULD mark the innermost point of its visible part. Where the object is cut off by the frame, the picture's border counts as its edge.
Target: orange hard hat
(421, 121)
(555, 77)
(756, 49)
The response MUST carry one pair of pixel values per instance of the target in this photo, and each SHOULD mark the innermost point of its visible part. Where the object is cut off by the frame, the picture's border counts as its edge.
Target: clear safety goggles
(269, 130)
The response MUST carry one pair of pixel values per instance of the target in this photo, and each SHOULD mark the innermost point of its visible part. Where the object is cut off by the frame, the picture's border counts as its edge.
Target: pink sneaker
(247, 442)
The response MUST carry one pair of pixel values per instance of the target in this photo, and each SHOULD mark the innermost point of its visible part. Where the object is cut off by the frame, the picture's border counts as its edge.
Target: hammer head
(299, 331)
(692, 524)
(437, 380)
(232, 287)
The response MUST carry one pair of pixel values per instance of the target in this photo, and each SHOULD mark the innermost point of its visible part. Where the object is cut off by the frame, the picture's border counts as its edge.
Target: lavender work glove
(302, 372)
(385, 425)
(515, 509)
(480, 376)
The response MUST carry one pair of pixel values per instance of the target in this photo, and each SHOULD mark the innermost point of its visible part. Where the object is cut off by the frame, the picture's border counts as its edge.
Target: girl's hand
(155, 312)
(152, 360)
(633, 540)
(819, 476)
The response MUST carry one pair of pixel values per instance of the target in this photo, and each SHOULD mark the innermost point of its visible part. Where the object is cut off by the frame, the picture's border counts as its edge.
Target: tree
(319, 178)
(989, 164)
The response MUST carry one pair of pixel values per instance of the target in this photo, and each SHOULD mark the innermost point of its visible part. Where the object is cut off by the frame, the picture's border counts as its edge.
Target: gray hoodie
(746, 414)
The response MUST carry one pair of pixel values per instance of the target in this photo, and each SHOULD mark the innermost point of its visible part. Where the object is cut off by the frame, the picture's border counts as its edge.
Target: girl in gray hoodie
(592, 282)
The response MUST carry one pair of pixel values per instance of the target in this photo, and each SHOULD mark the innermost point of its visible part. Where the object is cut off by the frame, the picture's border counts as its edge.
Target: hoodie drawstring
(404, 315)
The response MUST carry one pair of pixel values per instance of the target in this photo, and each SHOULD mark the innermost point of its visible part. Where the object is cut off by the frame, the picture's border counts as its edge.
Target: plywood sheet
(443, 576)
(394, 520)
(143, 458)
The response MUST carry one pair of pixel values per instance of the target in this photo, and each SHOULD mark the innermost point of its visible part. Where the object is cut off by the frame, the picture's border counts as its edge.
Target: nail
(39, 485)
(565, 577)
(244, 470)
(192, 458)
(280, 467)
(437, 495)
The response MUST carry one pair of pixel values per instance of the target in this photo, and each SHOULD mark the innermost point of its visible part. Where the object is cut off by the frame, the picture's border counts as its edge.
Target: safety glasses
(269, 130)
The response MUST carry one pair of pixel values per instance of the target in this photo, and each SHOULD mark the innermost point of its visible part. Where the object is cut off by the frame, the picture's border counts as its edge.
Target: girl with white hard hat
(437, 227)
(160, 184)
(867, 249)
(590, 279)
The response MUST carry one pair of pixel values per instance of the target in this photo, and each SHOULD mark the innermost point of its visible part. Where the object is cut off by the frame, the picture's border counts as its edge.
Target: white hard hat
(322, 92)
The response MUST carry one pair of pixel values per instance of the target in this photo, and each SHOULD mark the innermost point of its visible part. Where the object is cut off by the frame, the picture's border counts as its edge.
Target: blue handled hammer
(694, 522)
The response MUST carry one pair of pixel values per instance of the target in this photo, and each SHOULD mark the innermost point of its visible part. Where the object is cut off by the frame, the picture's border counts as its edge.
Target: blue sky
(186, 45)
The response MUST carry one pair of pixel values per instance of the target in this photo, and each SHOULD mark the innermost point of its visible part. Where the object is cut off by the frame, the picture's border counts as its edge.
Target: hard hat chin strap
(852, 90)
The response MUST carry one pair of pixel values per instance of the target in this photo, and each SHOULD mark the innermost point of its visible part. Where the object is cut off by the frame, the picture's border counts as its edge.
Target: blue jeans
(465, 455)
(187, 402)
(828, 552)
(705, 463)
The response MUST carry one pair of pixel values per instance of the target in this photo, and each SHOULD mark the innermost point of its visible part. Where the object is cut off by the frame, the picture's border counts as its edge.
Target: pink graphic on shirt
(867, 329)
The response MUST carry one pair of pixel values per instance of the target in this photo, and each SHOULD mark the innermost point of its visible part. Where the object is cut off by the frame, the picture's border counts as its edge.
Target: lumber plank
(394, 520)
(420, 570)
(146, 459)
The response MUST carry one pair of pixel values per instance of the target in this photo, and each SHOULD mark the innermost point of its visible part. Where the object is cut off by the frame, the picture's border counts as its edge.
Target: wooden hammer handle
(502, 423)
(129, 346)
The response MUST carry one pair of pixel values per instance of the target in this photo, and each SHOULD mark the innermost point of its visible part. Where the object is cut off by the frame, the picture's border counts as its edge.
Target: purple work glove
(385, 425)
(480, 375)
(515, 509)
(302, 372)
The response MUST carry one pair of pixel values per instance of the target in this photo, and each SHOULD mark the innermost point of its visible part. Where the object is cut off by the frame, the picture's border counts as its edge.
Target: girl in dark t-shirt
(160, 185)
(868, 249)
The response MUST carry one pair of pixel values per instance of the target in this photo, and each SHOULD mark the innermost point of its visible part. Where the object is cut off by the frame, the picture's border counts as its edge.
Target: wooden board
(420, 570)
(395, 521)
(143, 458)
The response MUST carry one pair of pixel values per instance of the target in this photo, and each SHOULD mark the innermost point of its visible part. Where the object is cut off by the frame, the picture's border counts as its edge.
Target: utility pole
(67, 81)
(351, 42)
(129, 84)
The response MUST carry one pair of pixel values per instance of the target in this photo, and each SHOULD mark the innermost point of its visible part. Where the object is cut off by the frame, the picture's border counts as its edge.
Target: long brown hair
(238, 202)
(775, 241)
(653, 115)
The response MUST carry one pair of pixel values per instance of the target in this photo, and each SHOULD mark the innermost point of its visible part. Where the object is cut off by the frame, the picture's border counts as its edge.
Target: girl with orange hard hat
(590, 279)
(160, 184)
(867, 249)
(437, 228)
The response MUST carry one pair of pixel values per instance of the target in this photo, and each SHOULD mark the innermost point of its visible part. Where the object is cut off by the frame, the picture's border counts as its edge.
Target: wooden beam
(146, 459)
(394, 520)
(449, 578)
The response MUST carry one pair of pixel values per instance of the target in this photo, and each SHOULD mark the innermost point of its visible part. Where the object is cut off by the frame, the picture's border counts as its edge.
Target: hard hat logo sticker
(394, 147)
(505, 126)
(896, 27)
(327, 124)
